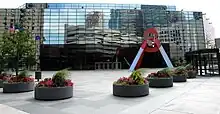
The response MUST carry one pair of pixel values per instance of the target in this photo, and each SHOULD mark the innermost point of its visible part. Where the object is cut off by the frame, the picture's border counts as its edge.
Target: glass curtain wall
(81, 35)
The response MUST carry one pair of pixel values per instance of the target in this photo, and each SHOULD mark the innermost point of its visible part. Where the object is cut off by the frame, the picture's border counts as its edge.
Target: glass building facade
(97, 36)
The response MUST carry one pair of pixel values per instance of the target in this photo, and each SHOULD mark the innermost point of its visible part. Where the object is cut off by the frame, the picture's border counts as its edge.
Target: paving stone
(192, 107)
(168, 112)
(4, 109)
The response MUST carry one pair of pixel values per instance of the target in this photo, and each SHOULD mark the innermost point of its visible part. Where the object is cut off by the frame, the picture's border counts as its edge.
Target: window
(57, 13)
(63, 20)
(52, 5)
(67, 5)
(72, 12)
(54, 10)
(89, 6)
(63, 11)
(54, 20)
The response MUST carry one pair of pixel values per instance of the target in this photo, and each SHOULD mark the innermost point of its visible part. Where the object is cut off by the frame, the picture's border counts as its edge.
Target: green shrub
(180, 70)
(23, 74)
(167, 71)
(60, 77)
(137, 77)
(189, 67)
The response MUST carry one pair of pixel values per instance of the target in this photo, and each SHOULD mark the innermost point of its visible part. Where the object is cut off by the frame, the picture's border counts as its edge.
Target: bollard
(38, 75)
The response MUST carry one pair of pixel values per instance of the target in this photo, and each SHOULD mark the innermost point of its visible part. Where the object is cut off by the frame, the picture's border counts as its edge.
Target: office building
(83, 36)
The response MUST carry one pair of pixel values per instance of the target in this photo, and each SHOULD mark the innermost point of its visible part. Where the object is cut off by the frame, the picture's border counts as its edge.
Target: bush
(23, 74)
(164, 73)
(189, 67)
(135, 78)
(4, 76)
(58, 80)
(60, 77)
(180, 70)
(23, 77)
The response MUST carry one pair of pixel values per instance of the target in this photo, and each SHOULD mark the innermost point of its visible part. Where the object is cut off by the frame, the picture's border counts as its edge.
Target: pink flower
(68, 83)
(49, 83)
(27, 79)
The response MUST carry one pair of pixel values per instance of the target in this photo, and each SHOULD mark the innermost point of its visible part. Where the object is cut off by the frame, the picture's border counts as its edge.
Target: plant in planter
(3, 77)
(20, 83)
(180, 74)
(55, 88)
(191, 73)
(162, 78)
(18, 48)
(178, 62)
(133, 86)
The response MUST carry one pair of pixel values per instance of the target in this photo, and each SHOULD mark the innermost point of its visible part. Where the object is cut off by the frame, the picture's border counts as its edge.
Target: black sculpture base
(130, 90)
(53, 93)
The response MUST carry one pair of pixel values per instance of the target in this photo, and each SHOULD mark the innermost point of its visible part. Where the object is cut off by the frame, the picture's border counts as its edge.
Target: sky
(208, 7)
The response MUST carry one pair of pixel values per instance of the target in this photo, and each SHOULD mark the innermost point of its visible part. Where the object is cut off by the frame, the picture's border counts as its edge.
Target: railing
(206, 62)
(107, 65)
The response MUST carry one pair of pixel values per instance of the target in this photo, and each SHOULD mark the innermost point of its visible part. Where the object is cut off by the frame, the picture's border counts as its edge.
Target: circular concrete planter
(18, 87)
(191, 74)
(195, 73)
(130, 90)
(53, 93)
(1, 83)
(160, 82)
(180, 78)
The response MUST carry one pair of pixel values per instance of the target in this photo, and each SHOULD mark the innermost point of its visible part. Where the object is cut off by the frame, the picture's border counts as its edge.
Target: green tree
(2, 63)
(18, 48)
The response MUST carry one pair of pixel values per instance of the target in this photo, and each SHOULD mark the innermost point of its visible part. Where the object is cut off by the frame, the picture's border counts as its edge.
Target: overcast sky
(209, 7)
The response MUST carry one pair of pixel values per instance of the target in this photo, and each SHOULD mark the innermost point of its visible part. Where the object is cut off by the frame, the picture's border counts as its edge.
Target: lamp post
(183, 35)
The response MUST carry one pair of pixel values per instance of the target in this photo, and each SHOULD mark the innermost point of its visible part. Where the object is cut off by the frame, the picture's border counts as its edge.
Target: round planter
(18, 87)
(53, 93)
(191, 74)
(180, 78)
(195, 73)
(160, 82)
(1, 83)
(130, 90)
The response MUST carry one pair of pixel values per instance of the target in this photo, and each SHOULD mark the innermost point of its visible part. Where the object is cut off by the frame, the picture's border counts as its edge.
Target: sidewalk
(93, 95)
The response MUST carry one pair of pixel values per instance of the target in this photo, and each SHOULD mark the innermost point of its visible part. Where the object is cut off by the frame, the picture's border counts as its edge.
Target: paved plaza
(93, 95)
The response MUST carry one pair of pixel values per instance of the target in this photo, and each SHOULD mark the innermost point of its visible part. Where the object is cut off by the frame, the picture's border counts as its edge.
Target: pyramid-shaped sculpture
(151, 43)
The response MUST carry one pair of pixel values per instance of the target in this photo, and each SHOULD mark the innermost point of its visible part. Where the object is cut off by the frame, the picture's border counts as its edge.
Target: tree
(2, 64)
(17, 48)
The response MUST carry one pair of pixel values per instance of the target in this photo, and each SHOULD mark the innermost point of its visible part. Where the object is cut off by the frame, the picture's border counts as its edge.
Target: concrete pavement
(93, 95)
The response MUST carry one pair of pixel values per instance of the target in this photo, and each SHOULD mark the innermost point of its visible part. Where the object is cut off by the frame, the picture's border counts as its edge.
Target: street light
(183, 38)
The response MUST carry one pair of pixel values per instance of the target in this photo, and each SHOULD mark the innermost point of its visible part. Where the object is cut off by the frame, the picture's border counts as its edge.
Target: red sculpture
(151, 43)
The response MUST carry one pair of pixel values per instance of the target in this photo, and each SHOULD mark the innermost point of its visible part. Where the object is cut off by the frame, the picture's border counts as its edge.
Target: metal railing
(107, 65)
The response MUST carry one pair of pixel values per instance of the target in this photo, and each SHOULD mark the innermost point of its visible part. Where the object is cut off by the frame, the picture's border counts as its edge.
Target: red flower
(68, 83)
(25, 80)
(48, 83)
(145, 81)
(123, 79)
(41, 83)
(130, 80)
(154, 73)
